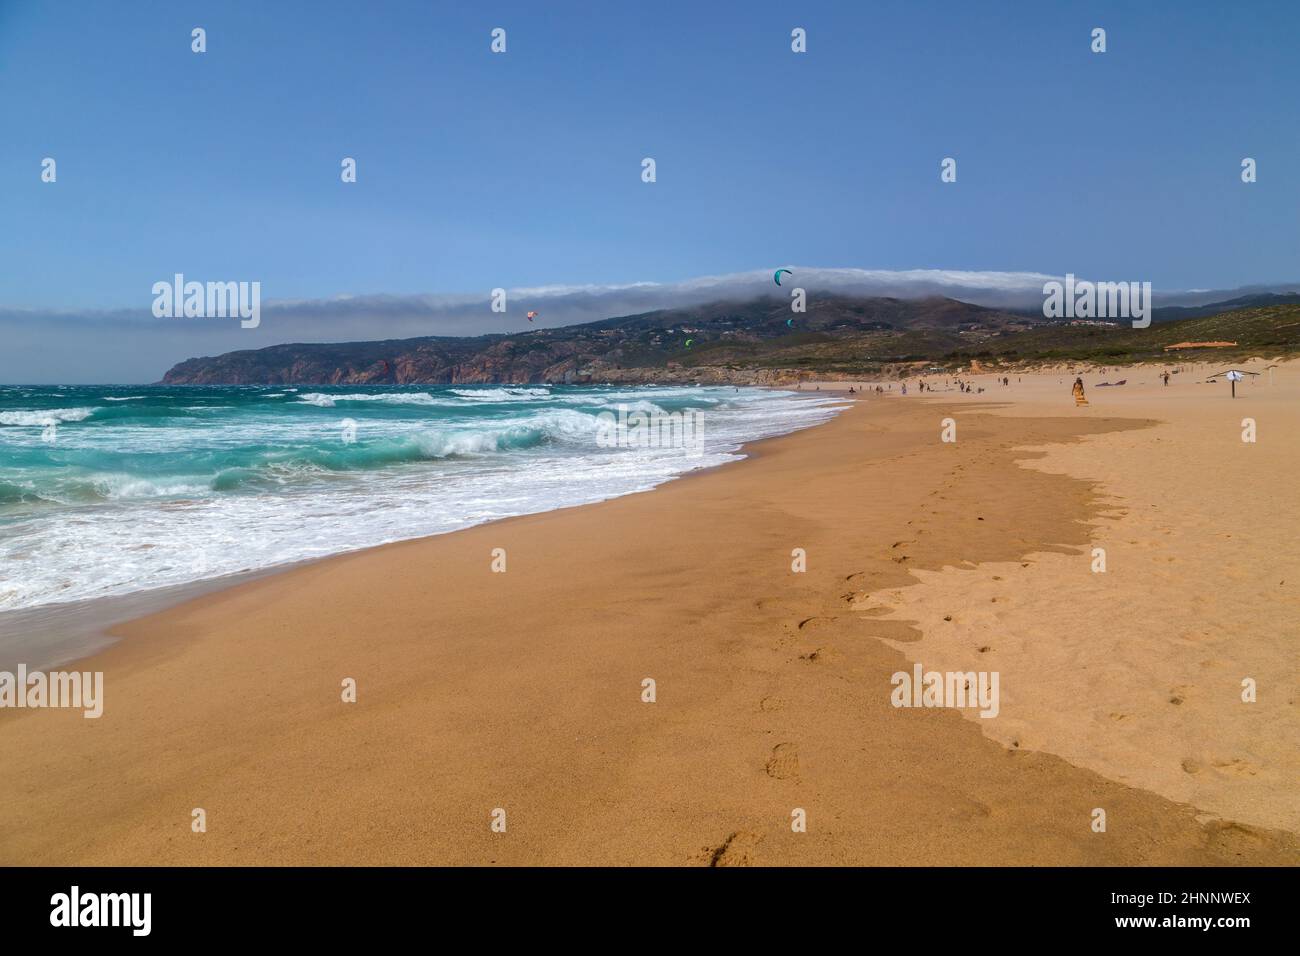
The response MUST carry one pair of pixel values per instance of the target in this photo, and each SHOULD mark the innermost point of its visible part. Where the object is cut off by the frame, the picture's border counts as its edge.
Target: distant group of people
(966, 387)
(1076, 390)
(923, 386)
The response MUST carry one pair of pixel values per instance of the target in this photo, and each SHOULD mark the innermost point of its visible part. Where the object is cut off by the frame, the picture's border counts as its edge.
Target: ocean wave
(638, 405)
(119, 486)
(323, 400)
(501, 394)
(42, 417)
(271, 465)
(289, 467)
(103, 486)
(125, 398)
(11, 494)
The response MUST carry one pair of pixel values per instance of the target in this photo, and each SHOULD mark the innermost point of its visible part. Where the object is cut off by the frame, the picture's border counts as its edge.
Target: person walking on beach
(1077, 392)
(1166, 378)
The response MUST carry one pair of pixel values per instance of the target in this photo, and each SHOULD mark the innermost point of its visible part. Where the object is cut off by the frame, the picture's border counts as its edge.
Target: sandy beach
(523, 691)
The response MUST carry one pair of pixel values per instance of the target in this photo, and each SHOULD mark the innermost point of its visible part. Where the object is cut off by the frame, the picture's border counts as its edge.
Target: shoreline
(521, 690)
(88, 626)
(58, 635)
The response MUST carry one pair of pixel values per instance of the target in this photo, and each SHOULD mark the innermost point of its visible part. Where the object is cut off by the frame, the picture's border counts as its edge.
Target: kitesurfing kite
(531, 316)
(776, 276)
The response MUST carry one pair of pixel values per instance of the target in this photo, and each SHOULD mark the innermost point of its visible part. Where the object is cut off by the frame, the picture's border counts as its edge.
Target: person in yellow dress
(1077, 391)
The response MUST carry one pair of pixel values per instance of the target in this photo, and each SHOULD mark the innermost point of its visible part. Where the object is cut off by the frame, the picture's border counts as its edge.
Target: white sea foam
(46, 415)
(133, 486)
(323, 400)
(501, 394)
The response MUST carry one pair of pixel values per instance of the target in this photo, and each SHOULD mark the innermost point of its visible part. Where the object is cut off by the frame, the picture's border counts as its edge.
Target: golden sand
(1138, 671)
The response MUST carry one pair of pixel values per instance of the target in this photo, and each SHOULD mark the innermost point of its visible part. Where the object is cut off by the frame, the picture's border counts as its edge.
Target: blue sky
(479, 170)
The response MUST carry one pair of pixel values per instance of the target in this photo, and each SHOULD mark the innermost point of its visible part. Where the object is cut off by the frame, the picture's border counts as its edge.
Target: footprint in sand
(1234, 766)
(1235, 838)
(738, 849)
(815, 622)
(861, 604)
(784, 762)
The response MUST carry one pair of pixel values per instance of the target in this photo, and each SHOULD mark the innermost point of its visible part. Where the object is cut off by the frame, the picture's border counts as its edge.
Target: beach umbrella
(1233, 375)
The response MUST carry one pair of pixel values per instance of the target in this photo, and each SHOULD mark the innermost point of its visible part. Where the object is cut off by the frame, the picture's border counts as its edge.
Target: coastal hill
(758, 341)
(727, 337)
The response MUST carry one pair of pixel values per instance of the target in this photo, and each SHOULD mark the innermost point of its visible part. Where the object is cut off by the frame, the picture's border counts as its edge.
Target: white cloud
(133, 346)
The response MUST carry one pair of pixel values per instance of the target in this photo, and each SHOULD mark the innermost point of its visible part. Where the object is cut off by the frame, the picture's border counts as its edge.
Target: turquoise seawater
(108, 490)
